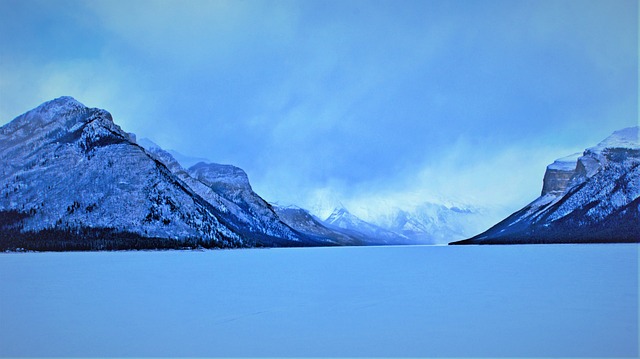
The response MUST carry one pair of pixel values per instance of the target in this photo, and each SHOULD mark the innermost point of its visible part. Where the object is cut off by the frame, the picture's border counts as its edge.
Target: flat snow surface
(420, 301)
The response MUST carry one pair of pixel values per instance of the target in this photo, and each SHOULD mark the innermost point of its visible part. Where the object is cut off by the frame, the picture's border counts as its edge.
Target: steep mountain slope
(228, 189)
(68, 170)
(72, 179)
(600, 202)
(253, 212)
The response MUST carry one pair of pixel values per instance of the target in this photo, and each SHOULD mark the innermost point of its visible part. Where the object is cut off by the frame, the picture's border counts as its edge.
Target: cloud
(467, 175)
(196, 33)
(408, 101)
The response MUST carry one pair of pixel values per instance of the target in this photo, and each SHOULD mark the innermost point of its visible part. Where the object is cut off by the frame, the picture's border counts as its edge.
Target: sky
(364, 103)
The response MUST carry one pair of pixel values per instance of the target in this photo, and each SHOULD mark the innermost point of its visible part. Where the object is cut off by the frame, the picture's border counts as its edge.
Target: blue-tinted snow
(542, 300)
(567, 163)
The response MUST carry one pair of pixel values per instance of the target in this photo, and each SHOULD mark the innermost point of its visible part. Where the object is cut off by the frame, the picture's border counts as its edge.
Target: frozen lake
(414, 301)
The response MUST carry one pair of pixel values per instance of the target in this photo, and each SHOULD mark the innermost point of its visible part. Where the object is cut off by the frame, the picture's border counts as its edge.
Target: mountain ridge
(343, 220)
(70, 173)
(600, 201)
(71, 178)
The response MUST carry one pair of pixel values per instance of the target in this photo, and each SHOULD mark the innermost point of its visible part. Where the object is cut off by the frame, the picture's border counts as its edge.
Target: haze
(356, 102)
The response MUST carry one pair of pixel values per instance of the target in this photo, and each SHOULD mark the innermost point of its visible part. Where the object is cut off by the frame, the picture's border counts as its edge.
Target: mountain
(415, 222)
(70, 178)
(594, 199)
(227, 188)
(340, 228)
(342, 220)
(429, 223)
(302, 221)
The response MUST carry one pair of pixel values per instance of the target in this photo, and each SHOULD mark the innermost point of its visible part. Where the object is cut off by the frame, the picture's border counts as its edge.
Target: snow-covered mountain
(431, 223)
(341, 219)
(391, 222)
(427, 224)
(341, 227)
(304, 222)
(71, 178)
(594, 199)
(228, 188)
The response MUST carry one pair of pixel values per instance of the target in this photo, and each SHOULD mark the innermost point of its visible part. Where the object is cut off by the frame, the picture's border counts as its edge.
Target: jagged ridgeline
(71, 179)
(588, 198)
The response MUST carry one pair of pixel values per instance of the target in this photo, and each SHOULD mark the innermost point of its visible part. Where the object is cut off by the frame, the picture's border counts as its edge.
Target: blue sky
(350, 101)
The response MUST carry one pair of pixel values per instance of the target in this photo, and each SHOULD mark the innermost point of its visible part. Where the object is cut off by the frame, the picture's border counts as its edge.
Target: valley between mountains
(72, 179)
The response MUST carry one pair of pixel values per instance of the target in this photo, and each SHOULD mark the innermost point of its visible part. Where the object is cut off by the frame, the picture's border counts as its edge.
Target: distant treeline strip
(92, 239)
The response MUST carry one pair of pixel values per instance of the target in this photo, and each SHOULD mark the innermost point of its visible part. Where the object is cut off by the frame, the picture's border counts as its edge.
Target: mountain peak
(625, 138)
(63, 101)
(60, 105)
(53, 111)
(339, 213)
(63, 119)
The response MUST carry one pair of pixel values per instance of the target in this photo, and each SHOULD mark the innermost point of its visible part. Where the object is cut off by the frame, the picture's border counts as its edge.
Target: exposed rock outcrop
(558, 174)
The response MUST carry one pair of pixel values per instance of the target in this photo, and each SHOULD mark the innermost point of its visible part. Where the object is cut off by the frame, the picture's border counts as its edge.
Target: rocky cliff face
(558, 174)
(601, 201)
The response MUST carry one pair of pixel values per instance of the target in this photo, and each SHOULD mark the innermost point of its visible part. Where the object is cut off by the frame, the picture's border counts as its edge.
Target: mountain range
(71, 179)
(592, 197)
(428, 223)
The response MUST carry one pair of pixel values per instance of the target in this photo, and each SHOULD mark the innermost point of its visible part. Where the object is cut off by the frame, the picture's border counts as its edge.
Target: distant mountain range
(428, 223)
(341, 225)
(593, 197)
(71, 179)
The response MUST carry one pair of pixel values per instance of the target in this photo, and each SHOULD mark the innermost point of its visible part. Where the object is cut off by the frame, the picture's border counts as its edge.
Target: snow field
(408, 301)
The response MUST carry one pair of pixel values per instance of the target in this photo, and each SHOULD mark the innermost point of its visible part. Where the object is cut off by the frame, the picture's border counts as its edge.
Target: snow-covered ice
(409, 301)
